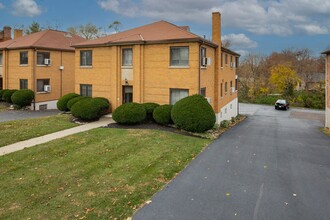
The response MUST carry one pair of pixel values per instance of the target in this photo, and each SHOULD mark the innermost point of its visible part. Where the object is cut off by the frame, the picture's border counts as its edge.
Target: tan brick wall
(152, 75)
(227, 74)
(327, 116)
(328, 80)
(15, 72)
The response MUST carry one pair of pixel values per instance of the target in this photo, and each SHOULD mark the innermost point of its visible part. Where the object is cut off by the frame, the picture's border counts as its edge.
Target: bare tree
(88, 31)
(115, 26)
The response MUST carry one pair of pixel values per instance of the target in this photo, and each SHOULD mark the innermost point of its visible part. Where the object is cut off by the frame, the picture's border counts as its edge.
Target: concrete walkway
(49, 137)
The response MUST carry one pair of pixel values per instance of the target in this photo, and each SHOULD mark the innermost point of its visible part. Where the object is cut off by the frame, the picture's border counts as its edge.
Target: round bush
(7, 95)
(71, 102)
(1, 93)
(63, 101)
(104, 104)
(150, 107)
(23, 97)
(129, 113)
(193, 113)
(162, 114)
(88, 109)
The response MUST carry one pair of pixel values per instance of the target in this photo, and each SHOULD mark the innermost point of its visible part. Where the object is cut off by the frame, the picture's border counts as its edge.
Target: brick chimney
(18, 33)
(216, 28)
(6, 33)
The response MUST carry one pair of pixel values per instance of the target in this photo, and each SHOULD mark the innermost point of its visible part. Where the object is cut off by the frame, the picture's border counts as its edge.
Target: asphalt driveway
(20, 114)
(274, 165)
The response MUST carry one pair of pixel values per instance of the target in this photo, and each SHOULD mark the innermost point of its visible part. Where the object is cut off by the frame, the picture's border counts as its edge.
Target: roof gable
(154, 32)
(50, 39)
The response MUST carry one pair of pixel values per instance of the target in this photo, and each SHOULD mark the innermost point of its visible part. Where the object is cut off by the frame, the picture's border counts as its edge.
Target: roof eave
(38, 47)
(326, 52)
(230, 51)
(185, 40)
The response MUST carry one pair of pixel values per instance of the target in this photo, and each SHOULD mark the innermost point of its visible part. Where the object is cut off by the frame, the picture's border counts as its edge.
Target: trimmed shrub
(23, 97)
(150, 107)
(225, 124)
(162, 114)
(73, 101)
(1, 93)
(104, 99)
(63, 101)
(129, 113)
(88, 109)
(104, 104)
(7, 95)
(193, 113)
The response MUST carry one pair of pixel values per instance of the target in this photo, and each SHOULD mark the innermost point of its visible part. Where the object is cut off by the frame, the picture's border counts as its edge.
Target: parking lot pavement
(11, 115)
(271, 166)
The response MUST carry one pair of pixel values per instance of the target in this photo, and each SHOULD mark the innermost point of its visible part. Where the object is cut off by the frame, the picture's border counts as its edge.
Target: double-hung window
(0, 59)
(23, 84)
(86, 90)
(177, 94)
(127, 57)
(41, 57)
(179, 56)
(85, 58)
(203, 57)
(41, 83)
(23, 58)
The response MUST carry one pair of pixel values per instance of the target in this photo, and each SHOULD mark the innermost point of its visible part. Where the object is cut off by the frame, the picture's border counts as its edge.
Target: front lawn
(20, 130)
(103, 173)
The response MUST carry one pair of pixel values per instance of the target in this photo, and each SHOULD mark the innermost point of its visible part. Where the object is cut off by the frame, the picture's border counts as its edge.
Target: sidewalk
(49, 137)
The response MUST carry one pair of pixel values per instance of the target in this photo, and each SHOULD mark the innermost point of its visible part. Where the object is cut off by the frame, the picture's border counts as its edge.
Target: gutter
(34, 77)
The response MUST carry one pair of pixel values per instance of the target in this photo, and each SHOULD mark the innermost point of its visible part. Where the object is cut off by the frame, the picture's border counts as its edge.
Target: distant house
(42, 62)
(162, 63)
(315, 81)
(327, 89)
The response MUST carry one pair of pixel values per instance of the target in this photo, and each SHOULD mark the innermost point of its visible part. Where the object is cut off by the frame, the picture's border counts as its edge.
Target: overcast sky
(261, 26)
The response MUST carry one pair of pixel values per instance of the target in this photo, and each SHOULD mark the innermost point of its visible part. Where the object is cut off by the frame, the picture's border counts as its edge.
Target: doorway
(127, 94)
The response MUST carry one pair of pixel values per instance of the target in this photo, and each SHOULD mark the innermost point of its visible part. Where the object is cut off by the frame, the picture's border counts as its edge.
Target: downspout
(6, 66)
(34, 77)
(61, 75)
(199, 68)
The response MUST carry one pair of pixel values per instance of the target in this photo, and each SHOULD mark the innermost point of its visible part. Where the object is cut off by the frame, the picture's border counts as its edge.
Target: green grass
(103, 173)
(20, 130)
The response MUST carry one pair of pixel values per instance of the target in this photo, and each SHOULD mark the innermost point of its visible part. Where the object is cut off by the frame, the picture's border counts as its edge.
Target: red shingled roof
(48, 39)
(156, 32)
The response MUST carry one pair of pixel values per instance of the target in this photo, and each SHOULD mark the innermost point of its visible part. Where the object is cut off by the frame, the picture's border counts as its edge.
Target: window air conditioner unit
(208, 99)
(232, 89)
(47, 88)
(208, 61)
(47, 61)
(232, 64)
(204, 61)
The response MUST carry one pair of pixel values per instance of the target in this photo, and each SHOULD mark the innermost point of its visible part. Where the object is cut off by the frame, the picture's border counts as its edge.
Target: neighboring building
(42, 62)
(315, 81)
(161, 63)
(327, 89)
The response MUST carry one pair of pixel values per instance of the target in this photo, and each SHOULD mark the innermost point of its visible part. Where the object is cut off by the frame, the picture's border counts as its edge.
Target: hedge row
(85, 108)
(20, 98)
(192, 113)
